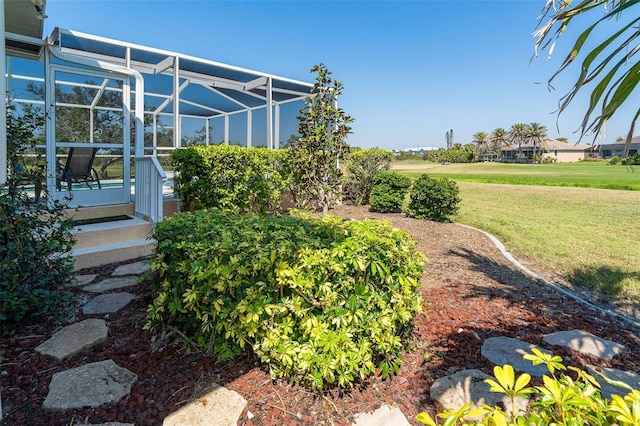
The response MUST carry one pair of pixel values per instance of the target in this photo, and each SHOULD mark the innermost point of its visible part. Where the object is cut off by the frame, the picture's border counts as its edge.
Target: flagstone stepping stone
(107, 303)
(137, 268)
(465, 386)
(628, 377)
(80, 280)
(585, 343)
(505, 350)
(383, 416)
(111, 284)
(91, 385)
(220, 407)
(75, 338)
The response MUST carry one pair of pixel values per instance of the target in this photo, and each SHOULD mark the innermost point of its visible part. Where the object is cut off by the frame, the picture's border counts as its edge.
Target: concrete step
(98, 234)
(89, 257)
(101, 211)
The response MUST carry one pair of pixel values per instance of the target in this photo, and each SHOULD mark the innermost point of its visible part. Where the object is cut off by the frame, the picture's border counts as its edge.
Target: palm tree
(480, 139)
(518, 135)
(609, 68)
(536, 134)
(498, 139)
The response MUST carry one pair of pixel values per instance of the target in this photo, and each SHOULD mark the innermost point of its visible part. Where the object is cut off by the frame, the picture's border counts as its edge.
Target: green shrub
(615, 160)
(389, 190)
(553, 160)
(562, 401)
(231, 177)
(433, 199)
(633, 160)
(321, 301)
(361, 170)
(34, 233)
(453, 156)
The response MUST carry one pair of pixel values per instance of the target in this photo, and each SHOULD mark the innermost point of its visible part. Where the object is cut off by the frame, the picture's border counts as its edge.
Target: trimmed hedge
(389, 191)
(230, 177)
(433, 199)
(321, 301)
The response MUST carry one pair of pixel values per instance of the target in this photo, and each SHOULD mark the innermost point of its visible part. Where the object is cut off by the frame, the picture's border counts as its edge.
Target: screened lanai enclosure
(132, 105)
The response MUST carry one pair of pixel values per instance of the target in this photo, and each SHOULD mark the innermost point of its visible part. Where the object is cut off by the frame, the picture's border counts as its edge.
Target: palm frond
(608, 67)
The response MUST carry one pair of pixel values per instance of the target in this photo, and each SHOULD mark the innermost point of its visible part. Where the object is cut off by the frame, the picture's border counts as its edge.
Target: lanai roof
(206, 88)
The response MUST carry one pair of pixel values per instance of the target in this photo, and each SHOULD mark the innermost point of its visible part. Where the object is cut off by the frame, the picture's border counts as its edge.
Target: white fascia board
(23, 39)
(163, 65)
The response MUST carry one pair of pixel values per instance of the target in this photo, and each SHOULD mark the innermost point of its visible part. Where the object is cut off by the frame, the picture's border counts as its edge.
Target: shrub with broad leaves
(321, 301)
(564, 400)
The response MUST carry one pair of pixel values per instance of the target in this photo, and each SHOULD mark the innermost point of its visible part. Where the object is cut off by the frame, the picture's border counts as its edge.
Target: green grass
(589, 236)
(586, 234)
(580, 175)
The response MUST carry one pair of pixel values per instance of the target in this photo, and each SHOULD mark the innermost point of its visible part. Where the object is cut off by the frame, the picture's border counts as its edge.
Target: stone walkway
(105, 382)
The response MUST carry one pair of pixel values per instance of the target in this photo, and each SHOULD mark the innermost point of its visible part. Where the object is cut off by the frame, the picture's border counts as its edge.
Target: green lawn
(581, 175)
(588, 235)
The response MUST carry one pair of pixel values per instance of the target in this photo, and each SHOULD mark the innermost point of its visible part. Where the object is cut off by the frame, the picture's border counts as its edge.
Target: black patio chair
(79, 168)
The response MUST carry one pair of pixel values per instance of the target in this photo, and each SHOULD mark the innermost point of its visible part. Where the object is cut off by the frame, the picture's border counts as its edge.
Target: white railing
(148, 196)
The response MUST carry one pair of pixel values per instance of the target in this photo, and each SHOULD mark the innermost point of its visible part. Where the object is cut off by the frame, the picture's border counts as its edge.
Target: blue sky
(411, 70)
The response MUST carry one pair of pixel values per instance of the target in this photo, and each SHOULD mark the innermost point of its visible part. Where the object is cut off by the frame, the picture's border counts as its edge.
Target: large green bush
(433, 199)
(33, 274)
(361, 170)
(452, 155)
(34, 234)
(320, 301)
(389, 191)
(562, 400)
(231, 177)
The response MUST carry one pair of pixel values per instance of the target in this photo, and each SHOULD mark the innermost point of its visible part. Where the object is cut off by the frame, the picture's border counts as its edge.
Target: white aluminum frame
(170, 66)
(222, 86)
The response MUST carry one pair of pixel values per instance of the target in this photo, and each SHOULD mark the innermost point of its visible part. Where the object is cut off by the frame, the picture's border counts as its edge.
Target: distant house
(421, 150)
(551, 148)
(617, 149)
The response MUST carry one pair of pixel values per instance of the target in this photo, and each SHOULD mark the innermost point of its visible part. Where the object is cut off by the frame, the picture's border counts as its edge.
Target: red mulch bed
(473, 294)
